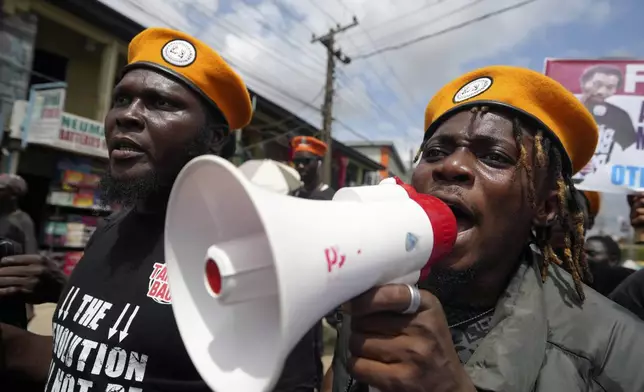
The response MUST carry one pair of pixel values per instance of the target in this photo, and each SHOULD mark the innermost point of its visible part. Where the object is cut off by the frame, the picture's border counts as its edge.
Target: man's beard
(446, 283)
(157, 183)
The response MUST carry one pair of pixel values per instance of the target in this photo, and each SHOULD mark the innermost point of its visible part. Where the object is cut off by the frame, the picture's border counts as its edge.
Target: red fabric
(291, 152)
(342, 173)
(443, 224)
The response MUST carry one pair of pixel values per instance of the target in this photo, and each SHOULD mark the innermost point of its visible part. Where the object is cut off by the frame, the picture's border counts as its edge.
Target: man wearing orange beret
(114, 328)
(498, 314)
(308, 153)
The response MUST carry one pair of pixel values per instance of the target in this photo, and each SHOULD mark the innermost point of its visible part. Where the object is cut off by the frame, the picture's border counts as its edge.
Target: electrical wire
(375, 104)
(426, 22)
(402, 16)
(290, 65)
(444, 31)
(411, 99)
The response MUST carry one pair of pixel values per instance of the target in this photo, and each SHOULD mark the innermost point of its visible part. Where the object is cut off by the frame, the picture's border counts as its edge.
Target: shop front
(62, 162)
(58, 71)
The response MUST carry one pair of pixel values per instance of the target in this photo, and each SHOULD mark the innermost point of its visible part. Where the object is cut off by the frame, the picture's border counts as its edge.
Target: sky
(383, 96)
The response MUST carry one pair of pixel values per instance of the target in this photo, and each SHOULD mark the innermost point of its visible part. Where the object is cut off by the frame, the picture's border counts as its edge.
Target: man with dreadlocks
(498, 313)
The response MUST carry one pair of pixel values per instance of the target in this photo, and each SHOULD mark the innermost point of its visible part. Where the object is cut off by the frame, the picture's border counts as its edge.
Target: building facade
(385, 153)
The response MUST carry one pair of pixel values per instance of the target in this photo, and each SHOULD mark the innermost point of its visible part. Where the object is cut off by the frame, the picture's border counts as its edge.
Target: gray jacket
(542, 340)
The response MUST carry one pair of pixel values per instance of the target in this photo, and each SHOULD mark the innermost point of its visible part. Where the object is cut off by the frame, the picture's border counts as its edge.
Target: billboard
(613, 91)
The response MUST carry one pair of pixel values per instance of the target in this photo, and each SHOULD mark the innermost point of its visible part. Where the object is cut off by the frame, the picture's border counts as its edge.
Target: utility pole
(328, 40)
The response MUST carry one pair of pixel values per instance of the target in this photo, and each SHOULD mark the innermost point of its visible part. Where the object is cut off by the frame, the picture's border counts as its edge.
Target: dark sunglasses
(303, 161)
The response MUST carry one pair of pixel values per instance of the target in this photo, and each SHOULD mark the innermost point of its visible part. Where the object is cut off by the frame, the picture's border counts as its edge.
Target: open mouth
(125, 149)
(464, 218)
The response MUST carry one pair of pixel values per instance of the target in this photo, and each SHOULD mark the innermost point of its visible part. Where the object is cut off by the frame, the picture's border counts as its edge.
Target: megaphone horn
(252, 271)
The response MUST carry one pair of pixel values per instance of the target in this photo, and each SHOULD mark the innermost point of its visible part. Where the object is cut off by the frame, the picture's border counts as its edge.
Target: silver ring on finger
(414, 302)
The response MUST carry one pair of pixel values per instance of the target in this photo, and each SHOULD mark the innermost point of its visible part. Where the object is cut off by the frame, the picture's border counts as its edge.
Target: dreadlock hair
(570, 213)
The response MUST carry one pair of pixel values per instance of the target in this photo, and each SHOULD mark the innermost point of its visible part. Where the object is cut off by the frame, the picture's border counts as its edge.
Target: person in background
(594, 203)
(12, 188)
(29, 282)
(630, 293)
(602, 249)
(498, 313)
(603, 277)
(307, 160)
(604, 257)
(308, 153)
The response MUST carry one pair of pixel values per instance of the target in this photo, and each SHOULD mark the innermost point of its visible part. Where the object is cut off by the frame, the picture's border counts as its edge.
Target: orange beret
(530, 93)
(594, 202)
(197, 65)
(309, 144)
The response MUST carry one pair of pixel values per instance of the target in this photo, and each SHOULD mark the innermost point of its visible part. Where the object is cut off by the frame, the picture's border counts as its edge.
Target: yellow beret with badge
(554, 109)
(194, 63)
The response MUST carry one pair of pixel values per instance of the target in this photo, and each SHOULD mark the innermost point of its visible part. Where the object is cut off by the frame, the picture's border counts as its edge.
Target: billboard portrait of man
(598, 83)
(613, 92)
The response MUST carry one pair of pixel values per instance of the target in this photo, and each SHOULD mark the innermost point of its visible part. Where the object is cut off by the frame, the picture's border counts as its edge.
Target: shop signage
(81, 135)
(45, 123)
(44, 110)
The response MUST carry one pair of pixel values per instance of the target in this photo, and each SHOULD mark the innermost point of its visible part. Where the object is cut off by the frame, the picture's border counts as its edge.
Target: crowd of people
(522, 303)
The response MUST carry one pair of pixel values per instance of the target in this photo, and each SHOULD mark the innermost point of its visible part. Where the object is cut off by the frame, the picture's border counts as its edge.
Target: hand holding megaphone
(251, 271)
(391, 351)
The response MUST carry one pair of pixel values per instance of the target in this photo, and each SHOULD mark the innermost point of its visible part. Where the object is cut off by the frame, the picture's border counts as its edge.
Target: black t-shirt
(630, 293)
(615, 126)
(113, 329)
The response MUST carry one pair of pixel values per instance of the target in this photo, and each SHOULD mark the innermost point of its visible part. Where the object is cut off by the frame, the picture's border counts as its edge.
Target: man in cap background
(497, 314)
(12, 188)
(308, 153)
(23, 282)
(114, 328)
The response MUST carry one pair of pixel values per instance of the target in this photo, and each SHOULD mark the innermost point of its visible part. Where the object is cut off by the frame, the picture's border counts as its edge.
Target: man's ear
(547, 210)
(222, 142)
(229, 147)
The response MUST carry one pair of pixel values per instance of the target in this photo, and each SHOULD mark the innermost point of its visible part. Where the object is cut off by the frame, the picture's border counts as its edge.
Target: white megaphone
(251, 271)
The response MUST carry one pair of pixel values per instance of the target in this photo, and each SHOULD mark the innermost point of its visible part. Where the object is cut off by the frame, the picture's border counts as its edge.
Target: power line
(404, 90)
(444, 31)
(427, 22)
(402, 16)
(356, 102)
(259, 45)
(375, 104)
